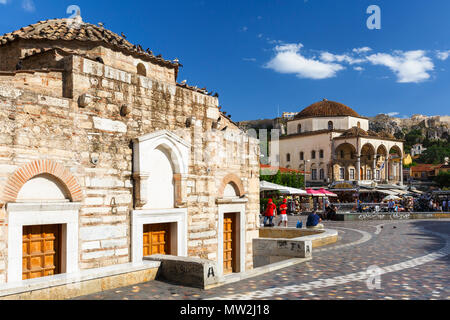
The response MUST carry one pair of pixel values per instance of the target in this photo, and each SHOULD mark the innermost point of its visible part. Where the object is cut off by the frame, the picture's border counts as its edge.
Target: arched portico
(373, 158)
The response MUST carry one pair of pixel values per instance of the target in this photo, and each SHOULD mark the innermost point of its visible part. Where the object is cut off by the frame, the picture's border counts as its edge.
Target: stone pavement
(413, 257)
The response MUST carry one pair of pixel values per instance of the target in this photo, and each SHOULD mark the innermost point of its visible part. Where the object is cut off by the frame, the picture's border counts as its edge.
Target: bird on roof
(225, 129)
(140, 48)
(19, 65)
(210, 93)
(184, 82)
(149, 51)
(216, 95)
(123, 36)
(159, 56)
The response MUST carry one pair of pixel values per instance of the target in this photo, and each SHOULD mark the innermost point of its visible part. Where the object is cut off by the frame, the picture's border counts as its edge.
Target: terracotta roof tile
(326, 108)
(61, 29)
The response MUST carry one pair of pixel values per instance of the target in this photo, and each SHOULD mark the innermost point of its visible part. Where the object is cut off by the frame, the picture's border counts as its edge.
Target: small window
(330, 125)
(352, 174)
(302, 156)
(314, 174)
(322, 174)
(299, 128)
(141, 70)
(313, 155)
(321, 154)
(342, 174)
(288, 157)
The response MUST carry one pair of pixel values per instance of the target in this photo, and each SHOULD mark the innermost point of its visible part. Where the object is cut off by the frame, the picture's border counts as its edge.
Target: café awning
(268, 186)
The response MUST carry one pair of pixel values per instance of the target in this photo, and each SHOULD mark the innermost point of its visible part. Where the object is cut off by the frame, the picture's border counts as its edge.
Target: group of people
(436, 205)
(314, 219)
(271, 213)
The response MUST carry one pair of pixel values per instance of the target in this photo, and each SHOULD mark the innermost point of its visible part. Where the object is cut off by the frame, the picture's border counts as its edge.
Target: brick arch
(236, 181)
(38, 167)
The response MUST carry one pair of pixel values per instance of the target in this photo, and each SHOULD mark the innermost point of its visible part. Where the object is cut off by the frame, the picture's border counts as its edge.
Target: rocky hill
(435, 127)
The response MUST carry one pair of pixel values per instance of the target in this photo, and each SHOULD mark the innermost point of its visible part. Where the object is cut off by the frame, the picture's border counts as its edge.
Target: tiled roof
(282, 170)
(327, 108)
(65, 30)
(425, 167)
(355, 132)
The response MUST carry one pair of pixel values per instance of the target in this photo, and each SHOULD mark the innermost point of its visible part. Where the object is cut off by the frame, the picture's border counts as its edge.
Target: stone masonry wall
(38, 123)
(10, 55)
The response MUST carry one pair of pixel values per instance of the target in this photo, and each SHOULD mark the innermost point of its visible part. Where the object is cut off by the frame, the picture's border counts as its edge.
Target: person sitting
(331, 213)
(314, 221)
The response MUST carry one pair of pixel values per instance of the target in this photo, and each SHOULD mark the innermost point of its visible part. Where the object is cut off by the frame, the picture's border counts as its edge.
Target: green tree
(443, 179)
(435, 154)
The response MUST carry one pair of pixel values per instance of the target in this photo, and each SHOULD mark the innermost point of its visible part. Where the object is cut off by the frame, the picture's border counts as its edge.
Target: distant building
(417, 150)
(289, 115)
(334, 143)
(407, 160)
(428, 171)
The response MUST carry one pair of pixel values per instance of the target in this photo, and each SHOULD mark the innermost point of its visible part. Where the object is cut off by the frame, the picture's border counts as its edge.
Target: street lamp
(304, 170)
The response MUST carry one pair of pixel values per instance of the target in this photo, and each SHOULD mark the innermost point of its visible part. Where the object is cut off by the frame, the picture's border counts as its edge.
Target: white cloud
(330, 57)
(358, 68)
(442, 55)
(3, 1)
(362, 50)
(288, 59)
(393, 114)
(28, 5)
(409, 66)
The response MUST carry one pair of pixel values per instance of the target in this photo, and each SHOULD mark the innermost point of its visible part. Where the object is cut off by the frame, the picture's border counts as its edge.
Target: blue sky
(270, 56)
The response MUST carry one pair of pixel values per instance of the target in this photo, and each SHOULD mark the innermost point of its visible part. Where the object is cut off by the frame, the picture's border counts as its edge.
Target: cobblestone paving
(413, 254)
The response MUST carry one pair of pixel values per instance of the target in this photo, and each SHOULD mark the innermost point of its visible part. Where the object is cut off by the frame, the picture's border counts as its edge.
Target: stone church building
(105, 158)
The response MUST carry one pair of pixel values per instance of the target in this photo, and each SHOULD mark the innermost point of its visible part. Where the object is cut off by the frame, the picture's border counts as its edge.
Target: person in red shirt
(283, 213)
(271, 212)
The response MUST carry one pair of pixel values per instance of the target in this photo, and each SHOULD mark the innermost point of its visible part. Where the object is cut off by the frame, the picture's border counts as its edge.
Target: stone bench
(193, 272)
(279, 244)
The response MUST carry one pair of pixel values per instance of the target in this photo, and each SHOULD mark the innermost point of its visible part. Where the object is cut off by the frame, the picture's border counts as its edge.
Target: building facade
(105, 158)
(332, 143)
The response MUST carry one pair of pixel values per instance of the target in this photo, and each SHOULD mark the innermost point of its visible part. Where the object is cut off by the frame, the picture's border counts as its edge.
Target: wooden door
(41, 251)
(229, 243)
(156, 239)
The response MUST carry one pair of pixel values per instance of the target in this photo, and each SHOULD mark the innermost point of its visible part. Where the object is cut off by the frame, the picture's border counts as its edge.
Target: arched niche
(141, 70)
(42, 170)
(231, 191)
(161, 162)
(43, 188)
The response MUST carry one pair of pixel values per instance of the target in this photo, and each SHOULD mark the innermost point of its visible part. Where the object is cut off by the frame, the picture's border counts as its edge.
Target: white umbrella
(294, 191)
(391, 197)
(268, 186)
